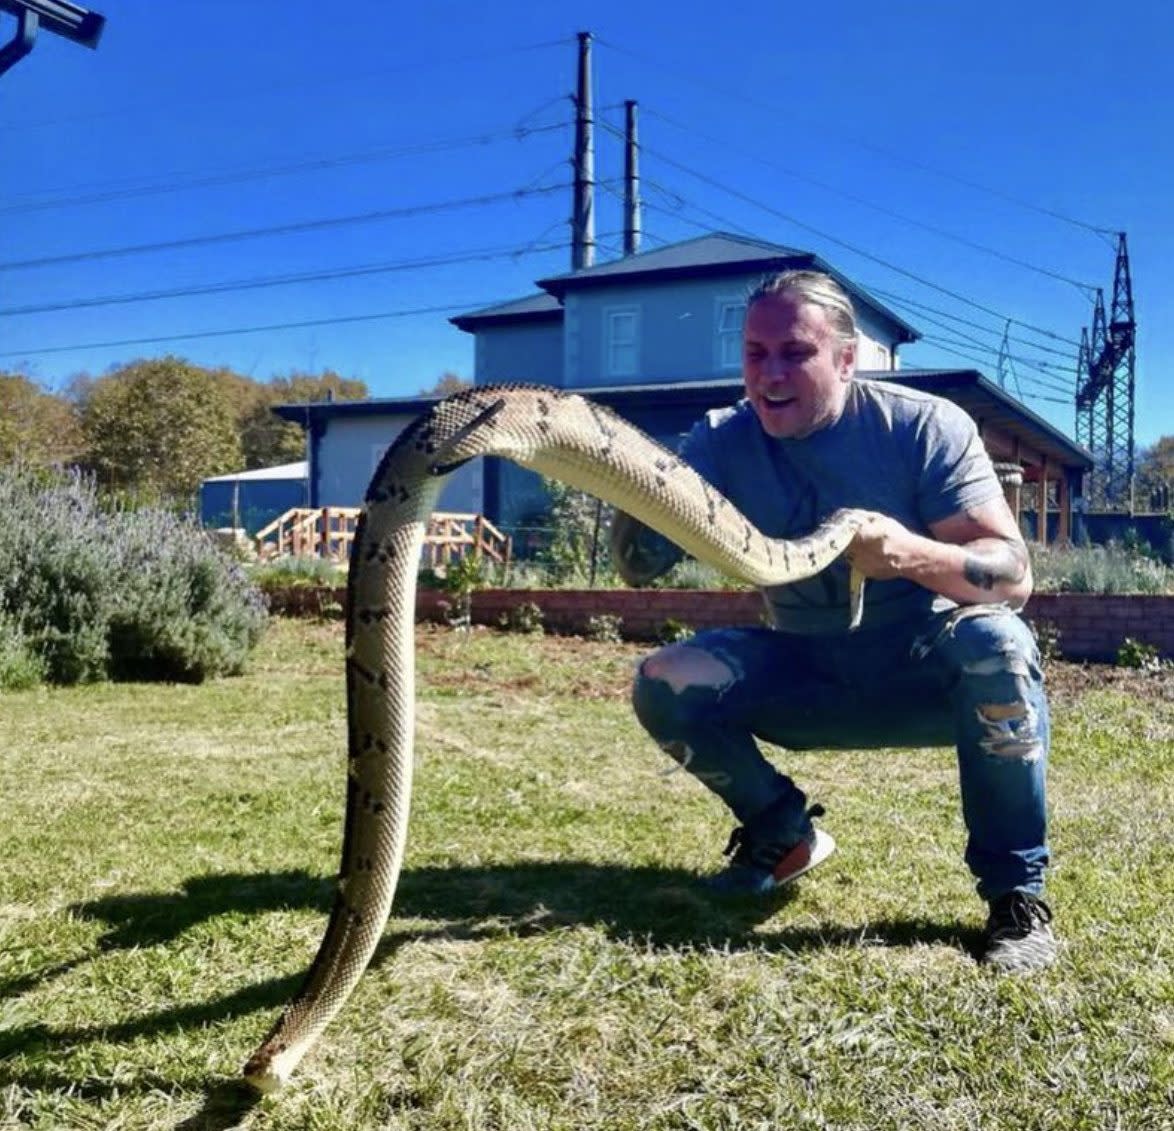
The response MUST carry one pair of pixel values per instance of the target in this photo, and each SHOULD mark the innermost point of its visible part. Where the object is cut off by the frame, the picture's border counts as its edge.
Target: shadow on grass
(663, 908)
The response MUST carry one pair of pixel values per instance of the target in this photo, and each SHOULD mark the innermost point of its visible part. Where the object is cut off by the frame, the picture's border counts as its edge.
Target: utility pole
(631, 181)
(1105, 377)
(583, 208)
(58, 16)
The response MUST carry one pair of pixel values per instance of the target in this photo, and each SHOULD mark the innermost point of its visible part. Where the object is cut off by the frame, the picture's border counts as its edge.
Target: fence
(329, 532)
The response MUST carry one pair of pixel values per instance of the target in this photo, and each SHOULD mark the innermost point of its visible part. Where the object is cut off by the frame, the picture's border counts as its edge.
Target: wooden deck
(329, 532)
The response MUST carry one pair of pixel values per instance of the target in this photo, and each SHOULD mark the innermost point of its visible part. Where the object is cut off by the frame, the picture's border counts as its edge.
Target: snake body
(559, 434)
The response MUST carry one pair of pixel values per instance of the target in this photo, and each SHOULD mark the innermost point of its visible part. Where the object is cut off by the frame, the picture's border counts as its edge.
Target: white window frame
(727, 343)
(621, 353)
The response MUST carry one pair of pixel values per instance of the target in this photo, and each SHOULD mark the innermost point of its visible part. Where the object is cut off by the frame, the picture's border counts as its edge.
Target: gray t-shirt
(912, 456)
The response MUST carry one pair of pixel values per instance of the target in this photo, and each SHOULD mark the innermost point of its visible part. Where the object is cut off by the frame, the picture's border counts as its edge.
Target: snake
(560, 434)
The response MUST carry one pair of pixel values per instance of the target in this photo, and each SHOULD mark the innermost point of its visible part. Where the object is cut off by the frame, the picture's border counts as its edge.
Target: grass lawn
(169, 852)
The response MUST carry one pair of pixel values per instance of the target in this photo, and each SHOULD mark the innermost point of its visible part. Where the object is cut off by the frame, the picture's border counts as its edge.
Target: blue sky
(890, 139)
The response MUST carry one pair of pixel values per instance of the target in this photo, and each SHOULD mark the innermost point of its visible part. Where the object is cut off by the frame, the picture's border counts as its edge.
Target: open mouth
(777, 402)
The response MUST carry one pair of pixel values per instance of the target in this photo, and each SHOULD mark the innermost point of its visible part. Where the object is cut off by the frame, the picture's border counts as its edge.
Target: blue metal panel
(248, 503)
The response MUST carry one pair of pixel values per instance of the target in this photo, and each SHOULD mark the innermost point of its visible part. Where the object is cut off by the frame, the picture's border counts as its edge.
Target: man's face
(795, 367)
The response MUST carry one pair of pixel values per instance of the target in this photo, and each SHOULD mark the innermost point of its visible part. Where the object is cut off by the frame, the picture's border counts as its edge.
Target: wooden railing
(328, 532)
(453, 536)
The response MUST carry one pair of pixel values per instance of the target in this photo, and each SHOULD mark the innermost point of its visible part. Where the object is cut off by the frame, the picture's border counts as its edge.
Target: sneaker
(759, 865)
(1018, 936)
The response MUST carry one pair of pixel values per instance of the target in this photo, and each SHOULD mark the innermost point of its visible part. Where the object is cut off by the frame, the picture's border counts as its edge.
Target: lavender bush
(98, 593)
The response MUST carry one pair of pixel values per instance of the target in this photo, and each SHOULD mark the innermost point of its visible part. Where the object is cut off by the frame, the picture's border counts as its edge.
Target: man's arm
(639, 554)
(974, 556)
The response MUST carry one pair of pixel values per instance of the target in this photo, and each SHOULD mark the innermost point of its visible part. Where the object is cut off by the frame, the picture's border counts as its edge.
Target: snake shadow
(663, 907)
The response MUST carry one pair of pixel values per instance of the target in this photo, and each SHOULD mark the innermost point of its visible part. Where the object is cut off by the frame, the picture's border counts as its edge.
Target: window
(731, 313)
(622, 333)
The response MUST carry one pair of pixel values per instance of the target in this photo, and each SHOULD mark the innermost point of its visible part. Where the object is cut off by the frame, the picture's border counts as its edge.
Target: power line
(974, 245)
(902, 300)
(950, 348)
(994, 351)
(834, 239)
(873, 290)
(1041, 367)
(519, 133)
(282, 229)
(970, 344)
(448, 308)
(686, 74)
(263, 281)
(299, 84)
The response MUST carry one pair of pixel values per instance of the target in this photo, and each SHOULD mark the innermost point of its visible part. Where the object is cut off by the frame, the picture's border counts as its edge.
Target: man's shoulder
(901, 404)
(735, 416)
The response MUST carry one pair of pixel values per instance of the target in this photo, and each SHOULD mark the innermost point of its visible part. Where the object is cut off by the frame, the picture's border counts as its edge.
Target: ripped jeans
(969, 677)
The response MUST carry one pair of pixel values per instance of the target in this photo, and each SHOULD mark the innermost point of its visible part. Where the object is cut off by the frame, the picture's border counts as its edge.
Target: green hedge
(89, 593)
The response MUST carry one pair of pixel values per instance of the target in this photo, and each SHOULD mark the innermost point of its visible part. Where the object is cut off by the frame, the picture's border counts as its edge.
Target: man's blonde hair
(818, 289)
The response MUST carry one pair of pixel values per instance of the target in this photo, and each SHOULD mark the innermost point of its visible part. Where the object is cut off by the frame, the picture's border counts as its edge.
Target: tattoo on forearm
(996, 564)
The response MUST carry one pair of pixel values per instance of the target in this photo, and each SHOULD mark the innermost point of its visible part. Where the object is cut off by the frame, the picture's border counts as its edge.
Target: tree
(268, 440)
(35, 425)
(159, 427)
(447, 384)
(1154, 476)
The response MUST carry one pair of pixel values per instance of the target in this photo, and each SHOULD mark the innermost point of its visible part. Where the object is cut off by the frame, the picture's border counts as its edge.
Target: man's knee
(671, 684)
(995, 644)
(1003, 684)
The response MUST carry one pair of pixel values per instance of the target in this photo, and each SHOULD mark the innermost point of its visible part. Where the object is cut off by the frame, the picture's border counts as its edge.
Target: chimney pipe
(583, 218)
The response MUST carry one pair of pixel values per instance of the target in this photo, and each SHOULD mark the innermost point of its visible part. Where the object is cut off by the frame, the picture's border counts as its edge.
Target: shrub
(20, 667)
(58, 563)
(297, 572)
(100, 592)
(578, 549)
(1047, 639)
(605, 628)
(673, 631)
(1113, 568)
(1138, 655)
(526, 617)
(185, 610)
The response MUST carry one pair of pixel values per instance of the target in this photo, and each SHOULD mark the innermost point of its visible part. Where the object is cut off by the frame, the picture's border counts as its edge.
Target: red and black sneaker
(759, 865)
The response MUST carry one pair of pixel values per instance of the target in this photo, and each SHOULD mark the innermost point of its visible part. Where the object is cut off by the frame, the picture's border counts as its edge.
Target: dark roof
(307, 414)
(533, 308)
(711, 256)
(715, 255)
(718, 249)
(990, 404)
(967, 388)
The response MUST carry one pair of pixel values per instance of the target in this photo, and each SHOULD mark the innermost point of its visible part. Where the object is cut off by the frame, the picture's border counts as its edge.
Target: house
(657, 337)
(668, 316)
(249, 500)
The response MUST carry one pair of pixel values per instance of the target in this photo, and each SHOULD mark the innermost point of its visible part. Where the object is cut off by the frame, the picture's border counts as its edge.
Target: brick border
(1091, 626)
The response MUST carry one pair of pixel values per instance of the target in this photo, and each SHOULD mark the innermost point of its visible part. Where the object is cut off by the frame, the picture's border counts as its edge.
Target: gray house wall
(349, 450)
(529, 352)
(677, 337)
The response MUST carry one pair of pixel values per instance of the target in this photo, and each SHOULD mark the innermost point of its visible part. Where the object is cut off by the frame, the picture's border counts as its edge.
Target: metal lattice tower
(1106, 368)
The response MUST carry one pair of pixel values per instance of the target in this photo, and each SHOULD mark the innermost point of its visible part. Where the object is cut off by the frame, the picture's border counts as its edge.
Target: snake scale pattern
(558, 434)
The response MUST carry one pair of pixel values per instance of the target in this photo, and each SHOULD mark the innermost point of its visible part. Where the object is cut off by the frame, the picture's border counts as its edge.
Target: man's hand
(882, 548)
(638, 554)
(973, 557)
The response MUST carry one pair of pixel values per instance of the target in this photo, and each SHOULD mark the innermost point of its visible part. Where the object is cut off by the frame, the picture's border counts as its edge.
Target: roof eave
(559, 285)
(470, 323)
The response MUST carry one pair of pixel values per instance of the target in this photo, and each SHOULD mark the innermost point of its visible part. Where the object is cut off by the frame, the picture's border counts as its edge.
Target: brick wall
(1090, 626)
